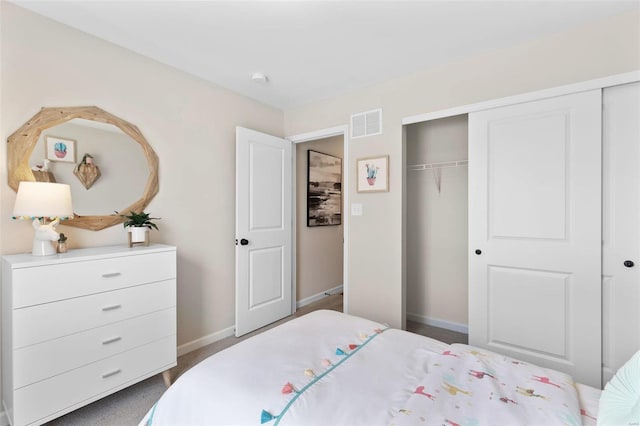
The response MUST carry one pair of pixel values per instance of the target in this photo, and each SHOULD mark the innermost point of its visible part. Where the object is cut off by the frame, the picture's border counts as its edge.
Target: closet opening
(436, 233)
(319, 239)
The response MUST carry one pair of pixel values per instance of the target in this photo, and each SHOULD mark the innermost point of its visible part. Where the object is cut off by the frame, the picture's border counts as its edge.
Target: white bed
(328, 368)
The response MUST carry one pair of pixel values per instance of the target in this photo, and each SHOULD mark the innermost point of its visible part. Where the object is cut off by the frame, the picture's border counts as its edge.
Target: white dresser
(81, 325)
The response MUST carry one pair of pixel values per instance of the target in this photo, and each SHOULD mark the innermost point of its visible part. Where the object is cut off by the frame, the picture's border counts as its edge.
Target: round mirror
(87, 148)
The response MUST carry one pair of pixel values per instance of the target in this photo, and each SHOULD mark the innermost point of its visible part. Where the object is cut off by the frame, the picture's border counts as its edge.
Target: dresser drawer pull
(111, 275)
(111, 373)
(112, 340)
(111, 307)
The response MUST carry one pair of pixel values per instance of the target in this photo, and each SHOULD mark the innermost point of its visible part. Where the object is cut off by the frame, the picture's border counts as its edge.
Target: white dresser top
(27, 260)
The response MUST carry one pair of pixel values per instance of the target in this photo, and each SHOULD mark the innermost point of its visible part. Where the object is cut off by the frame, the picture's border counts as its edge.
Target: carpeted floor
(128, 406)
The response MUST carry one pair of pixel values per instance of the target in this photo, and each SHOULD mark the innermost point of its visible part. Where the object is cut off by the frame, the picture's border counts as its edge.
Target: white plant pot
(138, 233)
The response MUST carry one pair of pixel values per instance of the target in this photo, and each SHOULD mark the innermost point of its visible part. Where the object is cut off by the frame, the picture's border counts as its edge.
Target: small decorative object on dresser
(78, 327)
(138, 224)
(62, 243)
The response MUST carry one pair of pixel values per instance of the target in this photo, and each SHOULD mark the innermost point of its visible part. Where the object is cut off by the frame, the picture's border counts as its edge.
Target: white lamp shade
(43, 199)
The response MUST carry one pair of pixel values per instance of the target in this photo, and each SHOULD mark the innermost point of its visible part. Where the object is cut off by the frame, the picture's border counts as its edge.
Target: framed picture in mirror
(60, 149)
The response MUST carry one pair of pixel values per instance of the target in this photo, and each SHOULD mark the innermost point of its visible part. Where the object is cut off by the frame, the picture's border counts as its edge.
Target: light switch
(356, 209)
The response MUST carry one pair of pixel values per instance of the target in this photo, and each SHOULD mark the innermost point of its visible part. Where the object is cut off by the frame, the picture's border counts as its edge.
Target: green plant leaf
(139, 219)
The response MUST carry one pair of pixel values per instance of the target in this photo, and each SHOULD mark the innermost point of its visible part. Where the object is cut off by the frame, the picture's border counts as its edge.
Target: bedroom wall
(319, 248)
(437, 232)
(190, 124)
(606, 47)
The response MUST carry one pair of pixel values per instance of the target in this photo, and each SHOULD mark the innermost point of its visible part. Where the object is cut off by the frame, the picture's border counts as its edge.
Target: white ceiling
(316, 49)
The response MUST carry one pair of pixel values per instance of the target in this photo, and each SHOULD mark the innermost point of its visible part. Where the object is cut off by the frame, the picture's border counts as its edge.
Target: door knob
(244, 242)
(629, 263)
(478, 251)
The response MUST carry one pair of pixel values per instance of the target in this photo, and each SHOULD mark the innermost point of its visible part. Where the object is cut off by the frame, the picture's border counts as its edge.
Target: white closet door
(621, 230)
(535, 233)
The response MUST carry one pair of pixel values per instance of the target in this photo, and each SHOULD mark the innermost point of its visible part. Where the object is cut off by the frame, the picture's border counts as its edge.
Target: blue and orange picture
(60, 149)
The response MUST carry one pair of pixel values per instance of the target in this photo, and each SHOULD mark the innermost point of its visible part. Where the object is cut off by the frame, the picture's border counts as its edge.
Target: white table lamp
(39, 202)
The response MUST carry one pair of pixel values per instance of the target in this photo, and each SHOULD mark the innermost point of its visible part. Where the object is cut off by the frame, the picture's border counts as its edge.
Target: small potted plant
(138, 225)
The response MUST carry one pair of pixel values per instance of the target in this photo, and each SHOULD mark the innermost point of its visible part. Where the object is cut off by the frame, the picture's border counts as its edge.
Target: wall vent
(367, 123)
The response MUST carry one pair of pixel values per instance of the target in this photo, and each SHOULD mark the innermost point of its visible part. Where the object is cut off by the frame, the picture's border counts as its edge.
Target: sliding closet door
(621, 230)
(535, 233)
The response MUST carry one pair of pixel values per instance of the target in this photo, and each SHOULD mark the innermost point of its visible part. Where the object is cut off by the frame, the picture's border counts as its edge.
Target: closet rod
(434, 167)
(430, 166)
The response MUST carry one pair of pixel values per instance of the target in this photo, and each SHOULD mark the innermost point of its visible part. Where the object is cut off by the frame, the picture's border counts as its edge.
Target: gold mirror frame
(23, 141)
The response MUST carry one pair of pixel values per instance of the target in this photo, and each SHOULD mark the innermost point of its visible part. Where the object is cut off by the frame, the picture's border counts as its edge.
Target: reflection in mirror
(122, 163)
(116, 162)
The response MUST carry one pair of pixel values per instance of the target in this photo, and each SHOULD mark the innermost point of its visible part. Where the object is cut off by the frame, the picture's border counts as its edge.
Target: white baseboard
(308, 300)
(447, 325)
(206, 340)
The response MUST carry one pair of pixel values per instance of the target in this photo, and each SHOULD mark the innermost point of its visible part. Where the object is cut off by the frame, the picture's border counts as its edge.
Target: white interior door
(263, 229)
(535, 233)
(621, 230)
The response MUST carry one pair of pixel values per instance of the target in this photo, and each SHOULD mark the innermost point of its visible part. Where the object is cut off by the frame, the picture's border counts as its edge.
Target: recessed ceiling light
(260, 78)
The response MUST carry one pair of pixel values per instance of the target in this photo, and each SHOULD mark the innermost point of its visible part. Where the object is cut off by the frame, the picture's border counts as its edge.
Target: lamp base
(42, 248)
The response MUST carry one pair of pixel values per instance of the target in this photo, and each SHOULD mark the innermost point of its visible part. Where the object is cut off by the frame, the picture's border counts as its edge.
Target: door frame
(308, 137)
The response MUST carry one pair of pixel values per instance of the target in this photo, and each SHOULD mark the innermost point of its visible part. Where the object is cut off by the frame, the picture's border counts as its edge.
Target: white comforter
(328, 368)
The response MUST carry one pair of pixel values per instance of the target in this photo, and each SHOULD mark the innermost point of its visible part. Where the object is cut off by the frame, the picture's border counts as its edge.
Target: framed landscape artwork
(324, 189)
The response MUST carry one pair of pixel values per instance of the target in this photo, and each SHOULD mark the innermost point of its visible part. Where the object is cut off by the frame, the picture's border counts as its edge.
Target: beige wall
(319, 248)
(437, 231)
(189, 123)
(607, 47)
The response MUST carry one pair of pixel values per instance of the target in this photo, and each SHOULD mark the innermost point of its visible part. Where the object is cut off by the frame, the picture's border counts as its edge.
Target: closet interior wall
(437, 226)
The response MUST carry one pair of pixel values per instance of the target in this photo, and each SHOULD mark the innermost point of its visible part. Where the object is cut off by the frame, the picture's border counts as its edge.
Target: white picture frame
(373, 174)
(60, 149)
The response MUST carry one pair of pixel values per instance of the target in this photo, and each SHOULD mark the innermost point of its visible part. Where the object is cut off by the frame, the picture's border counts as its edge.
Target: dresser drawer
(38, 362)
(40, 323)
(57, 395)
(43, 284)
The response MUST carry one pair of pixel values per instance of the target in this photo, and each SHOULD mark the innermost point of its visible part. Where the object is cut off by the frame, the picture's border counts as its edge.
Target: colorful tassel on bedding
(266, 417)
(288, 388)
